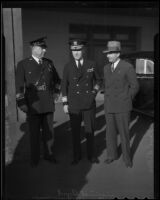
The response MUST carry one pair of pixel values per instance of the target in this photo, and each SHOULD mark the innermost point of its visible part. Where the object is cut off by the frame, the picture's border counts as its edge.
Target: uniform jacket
(121, 87)
(78, 85)
(27, 74)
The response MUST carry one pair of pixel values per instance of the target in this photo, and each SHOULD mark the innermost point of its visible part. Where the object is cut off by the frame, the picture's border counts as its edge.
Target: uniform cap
(39, 42)
(76, 44)
(113, 46)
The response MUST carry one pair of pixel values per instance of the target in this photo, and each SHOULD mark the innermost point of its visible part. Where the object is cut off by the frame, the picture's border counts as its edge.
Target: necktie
(40, 61)
(79, 64)
(112, 67)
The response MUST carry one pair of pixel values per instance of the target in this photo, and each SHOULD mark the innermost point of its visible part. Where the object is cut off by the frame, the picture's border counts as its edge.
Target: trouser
(118, 122)
(88, 116)
(36, 122)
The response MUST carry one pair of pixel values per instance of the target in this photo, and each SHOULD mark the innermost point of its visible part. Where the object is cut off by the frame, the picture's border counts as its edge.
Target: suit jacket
(78, 85)
(121, 87)
(27, 74)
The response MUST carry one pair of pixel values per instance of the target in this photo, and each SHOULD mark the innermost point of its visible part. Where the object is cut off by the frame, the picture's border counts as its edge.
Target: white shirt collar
(116, 63)
(36, 59)
(81, 61)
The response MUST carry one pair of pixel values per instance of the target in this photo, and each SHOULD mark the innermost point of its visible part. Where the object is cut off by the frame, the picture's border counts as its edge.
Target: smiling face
(38, 51)
(77, 54)
(112, 57)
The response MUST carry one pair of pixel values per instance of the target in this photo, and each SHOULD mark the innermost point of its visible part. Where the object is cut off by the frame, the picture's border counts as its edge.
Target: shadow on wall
(62, 180)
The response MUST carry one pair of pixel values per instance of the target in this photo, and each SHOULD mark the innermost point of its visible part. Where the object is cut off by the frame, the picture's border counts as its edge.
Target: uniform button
(77, 92)
(87, 91)
(77, 84)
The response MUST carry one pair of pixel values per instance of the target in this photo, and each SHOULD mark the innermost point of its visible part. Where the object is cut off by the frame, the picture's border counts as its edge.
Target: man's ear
(118, 54)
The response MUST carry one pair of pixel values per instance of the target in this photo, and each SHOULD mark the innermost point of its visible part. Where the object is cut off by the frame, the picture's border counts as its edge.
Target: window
(144, 66)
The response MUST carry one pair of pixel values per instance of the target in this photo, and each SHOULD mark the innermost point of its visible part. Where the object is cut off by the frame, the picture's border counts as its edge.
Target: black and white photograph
(80, 100)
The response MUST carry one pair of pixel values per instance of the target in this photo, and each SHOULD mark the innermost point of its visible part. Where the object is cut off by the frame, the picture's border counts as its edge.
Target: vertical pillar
(12, 31)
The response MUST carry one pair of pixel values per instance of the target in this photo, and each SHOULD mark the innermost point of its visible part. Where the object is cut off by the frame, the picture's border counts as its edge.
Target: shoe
(34, 164)
(129, 164)
(51, 159)
(93, 160)
(108, 161)
(76, 161)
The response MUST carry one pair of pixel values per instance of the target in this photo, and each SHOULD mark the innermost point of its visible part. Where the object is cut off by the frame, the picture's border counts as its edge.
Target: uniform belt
(41, 88)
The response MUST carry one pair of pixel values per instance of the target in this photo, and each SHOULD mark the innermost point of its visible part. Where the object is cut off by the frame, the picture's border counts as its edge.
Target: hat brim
(107, 51)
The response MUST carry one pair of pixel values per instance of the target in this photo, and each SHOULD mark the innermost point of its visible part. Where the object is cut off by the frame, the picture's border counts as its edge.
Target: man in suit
(80, 85)
(37, 85)
(121, 86)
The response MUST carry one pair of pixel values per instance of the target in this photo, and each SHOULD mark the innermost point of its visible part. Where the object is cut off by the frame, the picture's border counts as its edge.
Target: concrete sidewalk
(84, 181)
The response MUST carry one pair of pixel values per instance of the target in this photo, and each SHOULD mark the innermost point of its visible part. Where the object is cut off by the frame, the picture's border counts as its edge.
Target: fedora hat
(113, 46)
(76, 44)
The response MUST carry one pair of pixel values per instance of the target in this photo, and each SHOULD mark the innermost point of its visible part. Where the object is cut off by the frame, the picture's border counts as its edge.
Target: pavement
(85, 180)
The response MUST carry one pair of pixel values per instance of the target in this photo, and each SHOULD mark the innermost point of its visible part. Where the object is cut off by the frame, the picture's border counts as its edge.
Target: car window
(144, 66)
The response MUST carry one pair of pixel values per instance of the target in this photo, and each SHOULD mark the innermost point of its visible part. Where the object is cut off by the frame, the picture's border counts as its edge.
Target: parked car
(143, 62)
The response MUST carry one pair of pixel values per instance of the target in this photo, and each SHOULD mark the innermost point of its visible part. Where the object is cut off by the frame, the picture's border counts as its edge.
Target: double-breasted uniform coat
(121, 86)
(78, 88)
(35, 88)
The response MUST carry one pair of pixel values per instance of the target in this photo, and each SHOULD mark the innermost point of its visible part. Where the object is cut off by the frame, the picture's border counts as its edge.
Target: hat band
(112, 49)
(76, 47)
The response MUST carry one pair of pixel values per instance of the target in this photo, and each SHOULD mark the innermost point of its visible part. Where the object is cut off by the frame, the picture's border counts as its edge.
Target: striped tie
(112, 67)
(40, 61)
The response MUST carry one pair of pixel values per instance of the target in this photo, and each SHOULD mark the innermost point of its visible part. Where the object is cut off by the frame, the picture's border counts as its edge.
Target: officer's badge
(75, 43)
(90, 70)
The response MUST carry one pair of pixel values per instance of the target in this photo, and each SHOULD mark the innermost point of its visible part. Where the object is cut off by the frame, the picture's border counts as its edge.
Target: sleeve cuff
(96, 88)
(65, 103)
(20, 99)
(64, 100)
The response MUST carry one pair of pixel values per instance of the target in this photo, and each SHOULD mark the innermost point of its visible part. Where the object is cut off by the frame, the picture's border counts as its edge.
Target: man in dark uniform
(37, 83)
(80, 85)
(121, 86)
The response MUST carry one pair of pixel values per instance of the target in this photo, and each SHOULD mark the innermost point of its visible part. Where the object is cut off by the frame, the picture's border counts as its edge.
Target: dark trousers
(88, 116)
(118, 122)
(36, 122)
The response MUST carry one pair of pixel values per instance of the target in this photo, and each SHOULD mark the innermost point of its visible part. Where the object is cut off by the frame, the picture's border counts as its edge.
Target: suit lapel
(118, 66)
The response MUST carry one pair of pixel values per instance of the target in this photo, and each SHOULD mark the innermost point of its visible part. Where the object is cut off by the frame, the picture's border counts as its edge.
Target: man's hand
(56, 97)
(65, 108)
(24, 108)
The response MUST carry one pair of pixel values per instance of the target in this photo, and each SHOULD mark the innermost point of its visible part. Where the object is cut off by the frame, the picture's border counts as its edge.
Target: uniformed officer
(37, 84)
(121, 86)
(80, 85)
